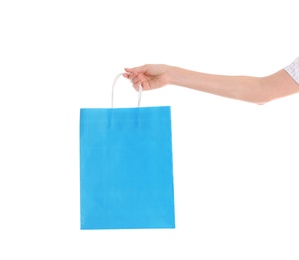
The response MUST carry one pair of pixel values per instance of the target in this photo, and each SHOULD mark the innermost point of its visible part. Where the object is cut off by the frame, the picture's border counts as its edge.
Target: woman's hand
(150, 76)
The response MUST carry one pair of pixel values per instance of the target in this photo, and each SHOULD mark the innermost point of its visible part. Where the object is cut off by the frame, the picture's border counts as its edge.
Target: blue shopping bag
(126, 170)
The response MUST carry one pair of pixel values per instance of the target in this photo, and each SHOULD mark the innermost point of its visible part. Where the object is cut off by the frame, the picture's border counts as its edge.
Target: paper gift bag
(126, 171)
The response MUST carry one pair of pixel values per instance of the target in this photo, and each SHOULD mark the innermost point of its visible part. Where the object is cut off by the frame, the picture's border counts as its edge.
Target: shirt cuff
(293, 70)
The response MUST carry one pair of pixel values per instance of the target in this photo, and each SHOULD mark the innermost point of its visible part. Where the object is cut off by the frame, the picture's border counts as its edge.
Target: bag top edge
(110, 108)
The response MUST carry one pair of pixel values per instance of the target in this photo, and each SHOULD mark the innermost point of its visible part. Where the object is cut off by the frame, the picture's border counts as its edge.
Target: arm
(252, 89)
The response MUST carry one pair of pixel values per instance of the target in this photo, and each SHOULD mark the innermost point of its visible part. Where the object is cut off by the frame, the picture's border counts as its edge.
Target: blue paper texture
(126, 170)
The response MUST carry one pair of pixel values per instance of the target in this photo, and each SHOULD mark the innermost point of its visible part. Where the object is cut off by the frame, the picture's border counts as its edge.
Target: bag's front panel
(126, 168)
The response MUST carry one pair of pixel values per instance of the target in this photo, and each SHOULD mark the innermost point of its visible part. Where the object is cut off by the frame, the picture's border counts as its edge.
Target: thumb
(136, 70)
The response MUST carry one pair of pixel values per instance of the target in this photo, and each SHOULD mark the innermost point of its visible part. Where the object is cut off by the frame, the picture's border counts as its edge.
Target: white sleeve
(293, 70)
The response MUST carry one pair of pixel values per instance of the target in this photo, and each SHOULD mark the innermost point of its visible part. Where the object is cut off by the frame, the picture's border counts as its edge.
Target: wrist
(171, 73)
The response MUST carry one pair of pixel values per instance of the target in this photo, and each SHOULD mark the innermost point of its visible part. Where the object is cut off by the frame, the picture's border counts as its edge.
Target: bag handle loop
(114, 83)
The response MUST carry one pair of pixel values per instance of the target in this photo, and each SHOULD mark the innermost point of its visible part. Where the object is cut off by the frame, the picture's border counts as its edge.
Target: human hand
(150, 76)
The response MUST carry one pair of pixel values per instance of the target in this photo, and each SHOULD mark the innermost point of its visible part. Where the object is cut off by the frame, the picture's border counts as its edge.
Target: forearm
(237, 87)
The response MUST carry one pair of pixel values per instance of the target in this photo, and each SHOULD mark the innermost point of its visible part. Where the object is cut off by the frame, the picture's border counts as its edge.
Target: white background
(236, 171)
